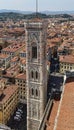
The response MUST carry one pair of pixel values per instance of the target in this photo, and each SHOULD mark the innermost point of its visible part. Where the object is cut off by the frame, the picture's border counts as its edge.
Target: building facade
(4, 61)
(8, 102)
(13, 50)
(36, 72)
(66, 63)
(20, 81)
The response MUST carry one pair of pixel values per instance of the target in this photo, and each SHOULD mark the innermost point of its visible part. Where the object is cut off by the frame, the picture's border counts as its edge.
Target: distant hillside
(15, 11)
(16, 16)
(57, 12)
(43, 12)
(59, 15)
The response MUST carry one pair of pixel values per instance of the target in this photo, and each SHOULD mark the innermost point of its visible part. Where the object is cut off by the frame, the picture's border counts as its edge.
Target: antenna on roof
(36, 7)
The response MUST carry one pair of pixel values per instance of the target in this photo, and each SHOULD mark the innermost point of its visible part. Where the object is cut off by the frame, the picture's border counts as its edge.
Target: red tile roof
(14, 47)
(51, 121)
(2, 56)
(9, 91)
(66, 116)
(67, 59)
(65, 119)
(21, 76)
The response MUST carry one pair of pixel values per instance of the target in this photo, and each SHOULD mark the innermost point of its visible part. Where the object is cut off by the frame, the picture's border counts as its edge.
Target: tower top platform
(36, 23)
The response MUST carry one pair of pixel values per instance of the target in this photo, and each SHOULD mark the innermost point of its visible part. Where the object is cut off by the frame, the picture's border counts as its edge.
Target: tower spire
(36, 7)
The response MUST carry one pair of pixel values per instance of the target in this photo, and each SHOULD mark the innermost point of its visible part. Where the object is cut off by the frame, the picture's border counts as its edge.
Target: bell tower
(35, 37)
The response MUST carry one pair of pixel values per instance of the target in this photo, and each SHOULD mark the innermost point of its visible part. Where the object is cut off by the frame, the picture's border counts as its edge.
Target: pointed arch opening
(32, 74)
(34, 52)
(32, 91)
(36, 92)
(36, 75)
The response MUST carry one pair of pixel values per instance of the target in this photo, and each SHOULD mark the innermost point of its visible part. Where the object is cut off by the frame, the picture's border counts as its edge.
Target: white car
(17, 118)
(19, 110)
(17, 115)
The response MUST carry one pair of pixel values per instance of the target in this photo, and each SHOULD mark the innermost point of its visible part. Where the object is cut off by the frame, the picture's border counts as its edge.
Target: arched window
(32, 74)
(34, 52)
(36, 75)
(36, 92)
(32, 91)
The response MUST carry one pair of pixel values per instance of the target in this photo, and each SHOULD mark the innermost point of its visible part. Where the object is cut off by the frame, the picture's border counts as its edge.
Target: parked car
(17, 118)
(19, 113)
(19, 110)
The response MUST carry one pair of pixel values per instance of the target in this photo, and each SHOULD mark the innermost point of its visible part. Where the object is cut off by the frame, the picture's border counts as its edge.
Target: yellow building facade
(66, 63)
(8, 102)
(20, 81)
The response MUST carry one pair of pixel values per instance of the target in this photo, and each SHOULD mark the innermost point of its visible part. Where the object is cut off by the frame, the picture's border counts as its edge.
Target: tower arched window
(32, 74)
(32, 91)
(34, 52)
(36, 75)
(36, 92)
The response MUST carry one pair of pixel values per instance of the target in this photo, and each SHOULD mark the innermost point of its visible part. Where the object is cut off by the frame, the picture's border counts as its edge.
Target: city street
(19, 125)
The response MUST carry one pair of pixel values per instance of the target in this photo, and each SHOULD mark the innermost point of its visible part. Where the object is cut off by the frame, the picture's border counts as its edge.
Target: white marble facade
(36, 73)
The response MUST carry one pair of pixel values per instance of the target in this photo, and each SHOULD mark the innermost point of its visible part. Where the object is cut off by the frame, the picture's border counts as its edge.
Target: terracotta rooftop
(50, 45)
(23, 61)
(21, 76)
(65, 118)
(2, 56)
(3, 79)
(14, 47)
(36, 20)
(51, 121)
(55, 40)
(14, 59)
(12, 71)
(66, 115)
(67, 59)
(8, 92)
(23, 50)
